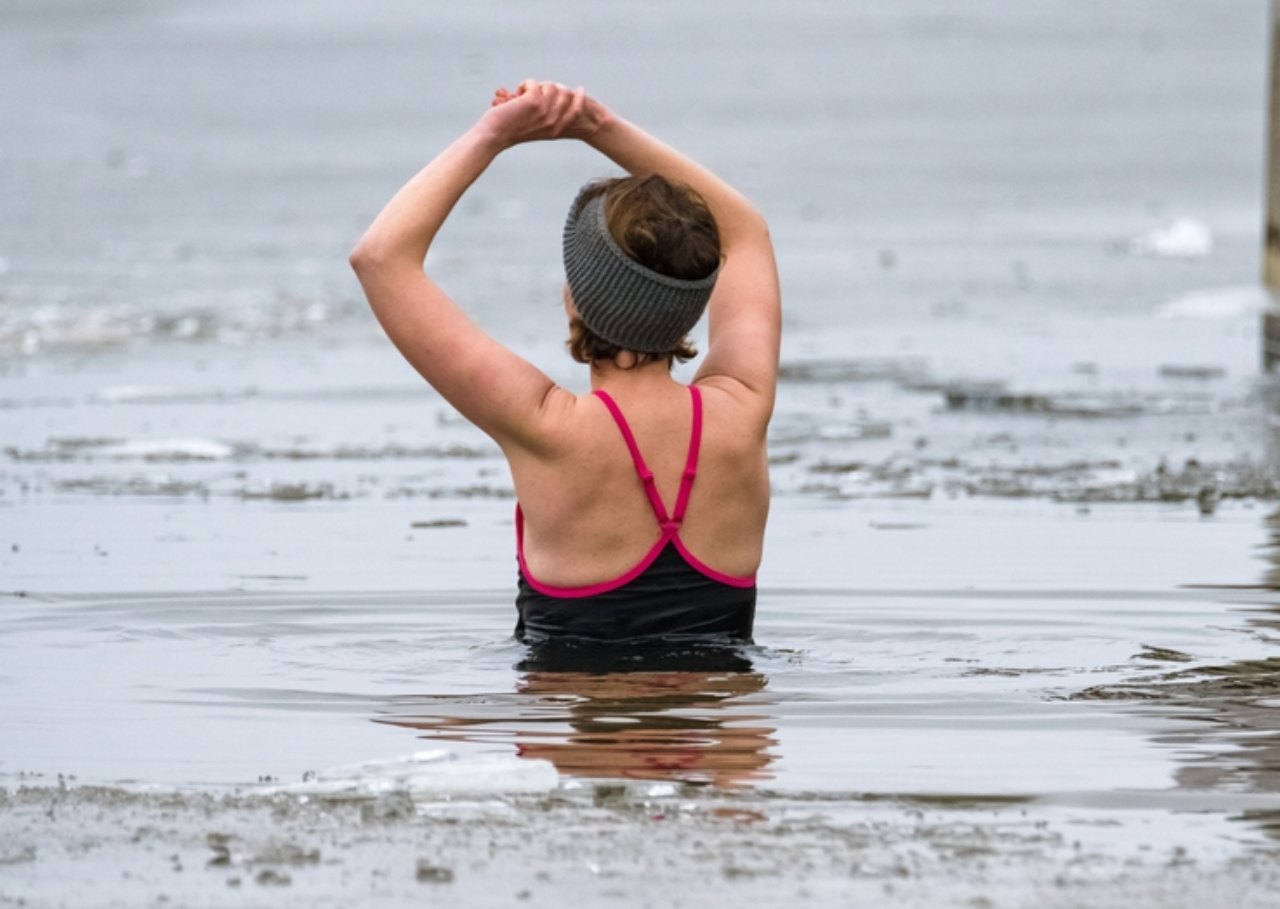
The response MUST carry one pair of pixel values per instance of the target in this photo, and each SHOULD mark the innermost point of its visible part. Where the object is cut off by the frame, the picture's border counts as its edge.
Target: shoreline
(627, 845)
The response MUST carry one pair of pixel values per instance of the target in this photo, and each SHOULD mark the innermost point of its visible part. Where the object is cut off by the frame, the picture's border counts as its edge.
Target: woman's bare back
(587, 517)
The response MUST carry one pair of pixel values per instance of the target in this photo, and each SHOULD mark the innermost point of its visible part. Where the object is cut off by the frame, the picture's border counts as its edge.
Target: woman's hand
(543, 110)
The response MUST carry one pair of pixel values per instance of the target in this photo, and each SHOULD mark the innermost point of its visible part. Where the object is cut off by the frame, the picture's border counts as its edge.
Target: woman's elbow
(364, 258)
(376, 256)
(756, 224)
(750, 230)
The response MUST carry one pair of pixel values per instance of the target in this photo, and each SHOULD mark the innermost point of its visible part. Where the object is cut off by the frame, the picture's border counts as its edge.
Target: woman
(615, 539)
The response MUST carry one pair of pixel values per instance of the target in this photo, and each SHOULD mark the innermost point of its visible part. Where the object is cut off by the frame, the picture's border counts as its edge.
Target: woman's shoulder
(568, 423)
(556, 428)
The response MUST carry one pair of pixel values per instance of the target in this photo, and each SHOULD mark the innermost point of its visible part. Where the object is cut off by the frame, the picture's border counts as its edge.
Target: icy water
(1016, 640)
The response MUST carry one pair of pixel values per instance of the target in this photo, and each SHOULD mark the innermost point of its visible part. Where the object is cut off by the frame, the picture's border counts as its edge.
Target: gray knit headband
(619, 299)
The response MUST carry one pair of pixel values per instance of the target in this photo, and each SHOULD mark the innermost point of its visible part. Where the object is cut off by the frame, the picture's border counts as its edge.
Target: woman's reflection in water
(686, 713)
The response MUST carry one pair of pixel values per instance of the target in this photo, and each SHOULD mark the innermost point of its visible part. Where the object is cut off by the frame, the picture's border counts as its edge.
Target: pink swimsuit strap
(669, 524)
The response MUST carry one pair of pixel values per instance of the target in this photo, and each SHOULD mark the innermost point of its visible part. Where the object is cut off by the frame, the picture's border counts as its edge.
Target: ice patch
(54, 327)
(1216, 303)
(428, 774)
(115, 394)
(169, 450)
(1184, 238)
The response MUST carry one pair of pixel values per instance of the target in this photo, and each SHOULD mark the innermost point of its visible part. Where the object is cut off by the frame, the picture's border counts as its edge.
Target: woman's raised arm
(499, 391)
(493, 387)
(745, 309)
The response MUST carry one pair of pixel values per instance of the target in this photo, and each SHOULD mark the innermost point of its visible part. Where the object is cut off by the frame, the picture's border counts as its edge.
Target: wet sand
(624, 845)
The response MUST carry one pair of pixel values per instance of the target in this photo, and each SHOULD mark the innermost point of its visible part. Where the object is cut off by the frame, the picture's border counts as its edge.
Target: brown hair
(586, 346)
(666, 227)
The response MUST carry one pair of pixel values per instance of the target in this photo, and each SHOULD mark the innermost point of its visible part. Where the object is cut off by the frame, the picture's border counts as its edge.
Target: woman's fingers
(579, 103)
(565, 109)
(547, 110)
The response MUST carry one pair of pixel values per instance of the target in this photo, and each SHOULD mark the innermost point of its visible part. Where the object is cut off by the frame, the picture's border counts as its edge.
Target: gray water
(1023, 554)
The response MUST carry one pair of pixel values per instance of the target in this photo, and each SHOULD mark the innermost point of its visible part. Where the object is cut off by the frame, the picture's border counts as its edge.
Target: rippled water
(1007, 650)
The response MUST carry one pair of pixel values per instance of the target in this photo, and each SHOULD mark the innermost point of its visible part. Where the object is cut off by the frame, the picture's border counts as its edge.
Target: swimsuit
(669, 592)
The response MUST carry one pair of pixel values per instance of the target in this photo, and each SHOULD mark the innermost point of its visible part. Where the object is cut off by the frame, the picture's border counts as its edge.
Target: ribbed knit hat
(620, 300)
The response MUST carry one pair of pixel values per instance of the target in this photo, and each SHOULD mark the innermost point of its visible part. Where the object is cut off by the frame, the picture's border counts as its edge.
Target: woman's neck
(641, 379)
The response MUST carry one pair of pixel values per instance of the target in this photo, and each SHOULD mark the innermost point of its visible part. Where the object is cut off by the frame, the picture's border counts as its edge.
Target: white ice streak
(1216, 303)
(115, 394)
(168, 450)
(55, 327)
(1184, 238)
(427, 774)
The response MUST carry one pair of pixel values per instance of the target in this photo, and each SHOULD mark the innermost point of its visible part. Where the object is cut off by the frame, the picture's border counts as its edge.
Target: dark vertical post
(1271, 236)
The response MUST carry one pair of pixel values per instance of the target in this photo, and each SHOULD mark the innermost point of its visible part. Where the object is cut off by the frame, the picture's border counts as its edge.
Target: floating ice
(115, 394)
(662, 791)
(1216, 303)
(169, 450)
(427, 774)
(102, 327)
(1184, 238)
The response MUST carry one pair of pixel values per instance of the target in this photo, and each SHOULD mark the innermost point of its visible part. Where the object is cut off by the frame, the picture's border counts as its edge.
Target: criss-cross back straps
(670, 524)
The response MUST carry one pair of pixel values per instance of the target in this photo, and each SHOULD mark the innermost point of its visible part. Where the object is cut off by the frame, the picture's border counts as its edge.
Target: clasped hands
(543, 110)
